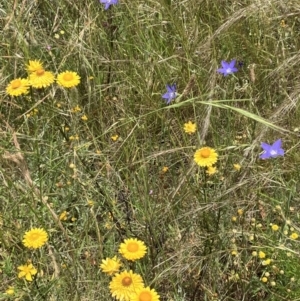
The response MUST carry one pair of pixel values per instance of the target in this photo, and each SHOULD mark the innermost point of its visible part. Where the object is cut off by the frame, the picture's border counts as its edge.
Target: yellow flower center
(34, 236)
(133, 247)
(68, 77)
(40, 72)
(27, 269)
(205, 153)
(126, 281)
(16, 84)
(145, 296)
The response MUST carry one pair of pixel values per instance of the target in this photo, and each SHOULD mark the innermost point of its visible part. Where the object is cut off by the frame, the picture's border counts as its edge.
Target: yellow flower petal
(205, 157)
(110, 265)
(132, 249)
(190, 127)
(68, 79)
(18, 87)
(41, 78)
(124, 284)
(35, 238)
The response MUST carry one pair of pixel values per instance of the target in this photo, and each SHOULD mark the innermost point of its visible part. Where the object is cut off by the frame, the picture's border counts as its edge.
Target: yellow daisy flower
(41, 78)
(266, 262)
(190, 127)
(237, 167)
(76, 109)
(132, 249)
(18, 87)
(234, 252)
(10, 290)
(261, 254)
(110, 265)
(68, 79)
(145, 294)
(35, 238)
(211, 170)
(294, 235)
(124, 284)
(76, 137)
(264, 279)
(34, 66)
(90, 203)
(27, 271)
(63, 216)
(114, 137)
(165, 169)
(205, 157)
(240, 212)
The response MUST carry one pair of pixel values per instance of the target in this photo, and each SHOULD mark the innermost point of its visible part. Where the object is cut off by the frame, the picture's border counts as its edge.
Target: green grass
(199, 246)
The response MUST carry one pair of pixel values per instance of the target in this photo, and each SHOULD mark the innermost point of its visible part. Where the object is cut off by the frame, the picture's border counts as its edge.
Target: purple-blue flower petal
(170, 94)
(271, 150)
(265, 146)
(280, 152)
(265, 155)
(166, 95)
(231, 64)
(227, 68)
(277, 144)
(170, 89)
(224, 64)
(108, 3)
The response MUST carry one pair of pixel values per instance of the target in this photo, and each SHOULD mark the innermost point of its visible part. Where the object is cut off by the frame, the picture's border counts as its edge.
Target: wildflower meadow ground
(149, 150)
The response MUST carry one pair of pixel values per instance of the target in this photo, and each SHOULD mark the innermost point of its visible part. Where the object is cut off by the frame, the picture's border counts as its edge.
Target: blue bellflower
(227, 68)
(108, 3)
(271, 151)
(171, 93)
